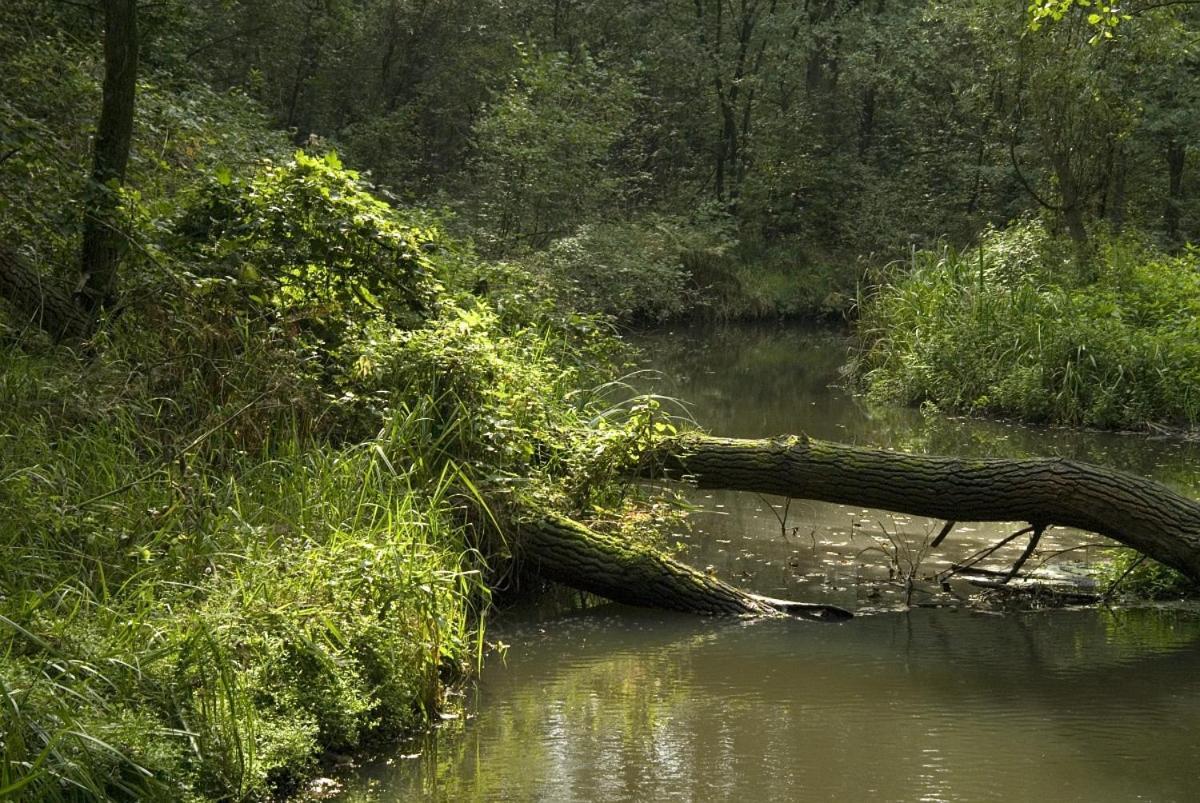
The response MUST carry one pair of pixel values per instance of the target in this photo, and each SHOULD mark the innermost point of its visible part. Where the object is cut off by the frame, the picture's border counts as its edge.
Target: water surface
(624, 705)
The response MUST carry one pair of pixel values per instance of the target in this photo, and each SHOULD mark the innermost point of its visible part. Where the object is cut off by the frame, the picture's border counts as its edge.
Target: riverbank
(256, 521)
(633, 701)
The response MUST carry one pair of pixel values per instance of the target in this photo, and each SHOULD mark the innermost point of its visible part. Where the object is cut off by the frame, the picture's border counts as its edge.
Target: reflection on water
(617, 704)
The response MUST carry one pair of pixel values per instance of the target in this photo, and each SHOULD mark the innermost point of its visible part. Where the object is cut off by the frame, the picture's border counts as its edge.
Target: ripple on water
(619, 704)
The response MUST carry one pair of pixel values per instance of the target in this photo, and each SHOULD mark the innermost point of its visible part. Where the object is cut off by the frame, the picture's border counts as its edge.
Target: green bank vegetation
(1015, 327)
(249, 527)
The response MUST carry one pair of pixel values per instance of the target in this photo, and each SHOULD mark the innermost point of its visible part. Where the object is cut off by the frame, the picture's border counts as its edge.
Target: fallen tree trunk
(41, 300)
(567, 552)
(1135, 511)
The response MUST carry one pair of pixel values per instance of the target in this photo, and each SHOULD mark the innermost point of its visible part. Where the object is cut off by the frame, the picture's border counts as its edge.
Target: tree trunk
(41, 300)
(568, 552)
(1176, 159)
(1074, 198)
(103, 243)
(1135, 511)
(1116, 210)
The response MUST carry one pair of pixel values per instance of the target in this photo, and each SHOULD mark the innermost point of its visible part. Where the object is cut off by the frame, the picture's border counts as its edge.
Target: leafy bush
(1011, 328)
(632, 271)
(308, 237)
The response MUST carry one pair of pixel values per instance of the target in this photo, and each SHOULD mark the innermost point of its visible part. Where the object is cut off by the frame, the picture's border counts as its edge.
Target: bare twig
(1038, 529)
(941, 536)
(983, 553)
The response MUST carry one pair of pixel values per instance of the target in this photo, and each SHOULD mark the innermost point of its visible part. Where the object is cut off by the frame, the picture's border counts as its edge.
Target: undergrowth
(256, 519)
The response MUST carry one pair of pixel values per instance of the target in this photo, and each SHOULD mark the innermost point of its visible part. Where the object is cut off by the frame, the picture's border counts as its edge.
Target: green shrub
(1012, 328)
(307, 236)
(1133, 574)
(632, 271)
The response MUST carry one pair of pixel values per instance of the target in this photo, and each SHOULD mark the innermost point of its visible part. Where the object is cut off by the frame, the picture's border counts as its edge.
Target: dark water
(931, 704)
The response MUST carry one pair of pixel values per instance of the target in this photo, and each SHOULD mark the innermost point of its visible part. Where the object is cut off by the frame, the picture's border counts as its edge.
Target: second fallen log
(563, 550)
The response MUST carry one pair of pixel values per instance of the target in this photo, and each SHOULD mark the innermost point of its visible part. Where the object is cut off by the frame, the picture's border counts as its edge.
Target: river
(918, 698)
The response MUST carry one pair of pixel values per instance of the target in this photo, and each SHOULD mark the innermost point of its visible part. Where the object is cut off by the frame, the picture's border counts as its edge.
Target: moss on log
(567, 552)
(1137, 512)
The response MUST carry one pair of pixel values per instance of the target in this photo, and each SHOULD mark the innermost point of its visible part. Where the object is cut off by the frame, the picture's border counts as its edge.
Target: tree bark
(567, 552)
(103, 243)
(41, 300)
(1135, 511)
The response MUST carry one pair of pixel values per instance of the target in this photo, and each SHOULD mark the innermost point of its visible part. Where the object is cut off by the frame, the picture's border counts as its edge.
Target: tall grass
(1012, 328)
(186, 626)
(200, 597)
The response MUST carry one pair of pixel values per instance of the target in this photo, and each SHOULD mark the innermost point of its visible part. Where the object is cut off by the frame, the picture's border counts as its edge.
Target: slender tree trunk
(306, 65)
(103, 243)
(1135, 511)
(1072, 200)
(1116, 210)
(977, 183)
(1176, 159)
(866, 121)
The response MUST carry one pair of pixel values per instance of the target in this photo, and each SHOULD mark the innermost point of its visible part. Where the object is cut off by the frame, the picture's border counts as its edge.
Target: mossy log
(41, 300)
(1132, 510)
(567, 552)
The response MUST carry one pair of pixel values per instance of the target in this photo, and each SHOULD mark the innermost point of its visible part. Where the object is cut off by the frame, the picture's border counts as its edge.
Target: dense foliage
(257, 523)
(839, 127)
(1010, 327)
